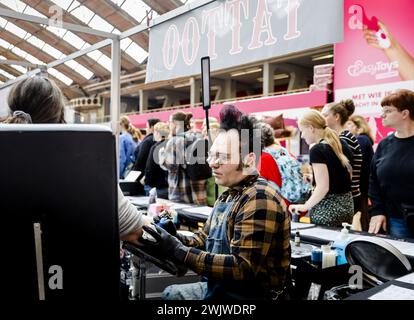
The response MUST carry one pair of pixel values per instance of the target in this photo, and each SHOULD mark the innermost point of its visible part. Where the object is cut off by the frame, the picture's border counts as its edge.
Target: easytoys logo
(381, 70)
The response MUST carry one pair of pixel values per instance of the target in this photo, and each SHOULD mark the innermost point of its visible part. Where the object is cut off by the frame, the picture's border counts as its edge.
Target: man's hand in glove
(165, 244)
(167, 224)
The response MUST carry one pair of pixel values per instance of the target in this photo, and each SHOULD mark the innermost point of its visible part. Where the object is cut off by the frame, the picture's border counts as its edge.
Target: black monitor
(60, 179)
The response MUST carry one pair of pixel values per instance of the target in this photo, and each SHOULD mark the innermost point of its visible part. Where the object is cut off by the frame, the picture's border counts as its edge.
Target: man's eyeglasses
(218, 158)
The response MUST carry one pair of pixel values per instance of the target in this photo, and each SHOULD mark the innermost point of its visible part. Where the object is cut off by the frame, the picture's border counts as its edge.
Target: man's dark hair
(247, 127)
(39, 97)
(152, 122)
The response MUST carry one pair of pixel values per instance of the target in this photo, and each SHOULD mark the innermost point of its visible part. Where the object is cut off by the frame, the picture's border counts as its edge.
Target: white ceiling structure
(38, 45)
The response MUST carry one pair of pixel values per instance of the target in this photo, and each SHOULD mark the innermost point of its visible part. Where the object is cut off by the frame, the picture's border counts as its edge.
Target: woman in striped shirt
(336, 115)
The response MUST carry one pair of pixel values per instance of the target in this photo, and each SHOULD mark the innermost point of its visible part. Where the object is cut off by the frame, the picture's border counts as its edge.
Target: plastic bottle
(328, 257)
(340, 244)
(297, 239)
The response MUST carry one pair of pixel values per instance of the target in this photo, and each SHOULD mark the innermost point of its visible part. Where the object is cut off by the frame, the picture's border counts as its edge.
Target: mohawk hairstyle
(247, 127)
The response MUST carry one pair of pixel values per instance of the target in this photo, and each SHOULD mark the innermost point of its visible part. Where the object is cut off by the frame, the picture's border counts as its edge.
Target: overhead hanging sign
(237, 32)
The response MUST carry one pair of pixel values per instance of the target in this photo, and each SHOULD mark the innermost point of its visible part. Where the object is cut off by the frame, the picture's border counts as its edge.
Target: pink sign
(371, 63)
(361, 62)
(282, 102)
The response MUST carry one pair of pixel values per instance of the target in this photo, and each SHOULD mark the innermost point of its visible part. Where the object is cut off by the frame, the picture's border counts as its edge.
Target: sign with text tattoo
(236, 32)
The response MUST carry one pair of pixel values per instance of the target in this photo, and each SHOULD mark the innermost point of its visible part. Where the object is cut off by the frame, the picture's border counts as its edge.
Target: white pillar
(268, 81)
(116, 95)
(194, 91)
(143, 100)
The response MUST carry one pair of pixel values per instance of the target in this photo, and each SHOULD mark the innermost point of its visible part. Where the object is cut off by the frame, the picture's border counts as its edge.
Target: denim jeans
(398, 229)
(188, 291)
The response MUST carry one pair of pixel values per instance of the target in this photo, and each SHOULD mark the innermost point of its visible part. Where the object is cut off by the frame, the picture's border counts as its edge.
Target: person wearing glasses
(243, 251)
(391, 185)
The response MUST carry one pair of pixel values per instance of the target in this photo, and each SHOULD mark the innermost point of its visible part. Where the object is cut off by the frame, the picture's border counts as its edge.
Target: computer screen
(61, 178)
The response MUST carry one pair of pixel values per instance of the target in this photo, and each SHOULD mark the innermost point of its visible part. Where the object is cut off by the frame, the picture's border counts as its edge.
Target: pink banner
(361, 62)
(370, 65)
(282, 102)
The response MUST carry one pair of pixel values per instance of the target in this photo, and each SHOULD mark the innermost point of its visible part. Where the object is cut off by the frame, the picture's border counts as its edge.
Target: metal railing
(187, 106)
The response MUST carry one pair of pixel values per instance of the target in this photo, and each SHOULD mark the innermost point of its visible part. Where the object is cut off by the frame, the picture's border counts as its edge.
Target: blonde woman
(331, 201)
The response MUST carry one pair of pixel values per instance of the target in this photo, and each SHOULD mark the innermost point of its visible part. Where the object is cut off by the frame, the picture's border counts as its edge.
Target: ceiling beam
(43, 6)
(136, 76)
(3, 78)
(41, 55)
(10, 70)
(117, 17)
(158, 6)
(10, 55)
(60, 44)
(68, 26)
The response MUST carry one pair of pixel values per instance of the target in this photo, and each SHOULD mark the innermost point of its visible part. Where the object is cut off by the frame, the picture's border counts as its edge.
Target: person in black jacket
(155, 176)
(391, 186)
(143, 149)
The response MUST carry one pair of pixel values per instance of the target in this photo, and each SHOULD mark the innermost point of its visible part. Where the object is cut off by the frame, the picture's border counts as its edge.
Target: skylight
(79, 69)
(83, 14)
(74, 40)
(33, 59)
(19, 68)
(33, 12)
(16, 30)
(136, 52)
(19, 52)
(60, 76)
(137, 9)
(6, 74)
(2, 22)
(36, 42)
(15, 5)
(64, 4)
(5, 44)
(105, 62)
(55, 53)
(57, 31)
(100, 24)
(125, 43)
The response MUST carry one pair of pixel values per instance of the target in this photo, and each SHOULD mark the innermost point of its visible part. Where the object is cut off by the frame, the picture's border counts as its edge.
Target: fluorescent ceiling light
(322, 57)
(181, 85)
(248, 71)
(279, 76)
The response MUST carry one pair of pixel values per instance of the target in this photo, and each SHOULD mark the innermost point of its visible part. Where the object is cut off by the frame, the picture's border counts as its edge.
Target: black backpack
(196, 166)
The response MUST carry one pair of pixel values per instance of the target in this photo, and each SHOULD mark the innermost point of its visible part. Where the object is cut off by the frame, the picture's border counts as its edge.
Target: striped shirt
(258, 233)
(355, 148)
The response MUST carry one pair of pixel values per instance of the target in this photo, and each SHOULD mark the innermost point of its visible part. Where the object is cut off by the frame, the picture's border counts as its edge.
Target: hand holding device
(372, 24)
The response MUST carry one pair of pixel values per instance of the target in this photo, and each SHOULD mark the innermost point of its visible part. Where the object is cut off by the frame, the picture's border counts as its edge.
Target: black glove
(167, 224)
(165, 244)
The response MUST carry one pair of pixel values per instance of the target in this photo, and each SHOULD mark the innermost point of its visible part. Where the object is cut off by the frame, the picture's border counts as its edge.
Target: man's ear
(249, 160)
